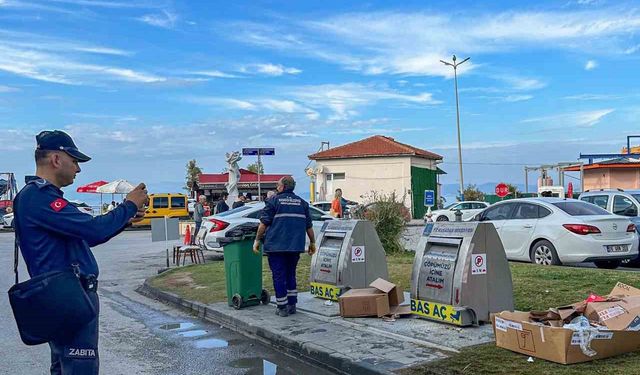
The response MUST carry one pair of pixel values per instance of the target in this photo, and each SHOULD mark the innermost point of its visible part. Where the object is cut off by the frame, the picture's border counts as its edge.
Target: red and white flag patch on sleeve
(58, 204)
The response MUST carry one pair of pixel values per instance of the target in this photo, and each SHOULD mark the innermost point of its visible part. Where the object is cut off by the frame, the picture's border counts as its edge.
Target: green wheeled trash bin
(243, 270)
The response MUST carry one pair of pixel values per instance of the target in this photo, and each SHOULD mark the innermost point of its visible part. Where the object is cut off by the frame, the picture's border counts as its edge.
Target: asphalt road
(139, 335)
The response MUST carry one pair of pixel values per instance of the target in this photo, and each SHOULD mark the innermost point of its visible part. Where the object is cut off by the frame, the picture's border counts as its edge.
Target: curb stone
(315, 354)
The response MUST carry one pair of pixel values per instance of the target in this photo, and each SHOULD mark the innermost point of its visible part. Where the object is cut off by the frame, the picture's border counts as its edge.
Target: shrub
(389, 216)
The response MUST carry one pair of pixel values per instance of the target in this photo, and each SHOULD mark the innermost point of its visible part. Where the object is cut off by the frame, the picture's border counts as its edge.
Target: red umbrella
(570, 190)
(91, 188)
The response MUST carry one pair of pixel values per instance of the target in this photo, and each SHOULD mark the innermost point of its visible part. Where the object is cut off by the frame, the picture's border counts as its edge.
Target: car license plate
(617, 248)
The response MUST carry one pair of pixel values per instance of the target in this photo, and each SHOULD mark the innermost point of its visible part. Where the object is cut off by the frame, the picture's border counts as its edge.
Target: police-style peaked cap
(57, 140)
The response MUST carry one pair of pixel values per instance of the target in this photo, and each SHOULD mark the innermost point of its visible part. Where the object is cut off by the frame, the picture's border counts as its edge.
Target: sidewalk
(348, 346)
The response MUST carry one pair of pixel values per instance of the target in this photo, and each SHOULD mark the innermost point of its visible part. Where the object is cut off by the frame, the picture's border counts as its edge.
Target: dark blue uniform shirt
(54, 234)
(287, 218)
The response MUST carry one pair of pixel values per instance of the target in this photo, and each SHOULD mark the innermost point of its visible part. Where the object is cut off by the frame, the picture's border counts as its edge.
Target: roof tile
(377, 145)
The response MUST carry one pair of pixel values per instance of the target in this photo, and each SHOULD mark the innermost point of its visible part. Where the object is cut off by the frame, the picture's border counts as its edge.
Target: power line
(498, 164)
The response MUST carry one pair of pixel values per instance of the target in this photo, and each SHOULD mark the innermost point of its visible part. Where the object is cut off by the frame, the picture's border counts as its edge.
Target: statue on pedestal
(234, 176)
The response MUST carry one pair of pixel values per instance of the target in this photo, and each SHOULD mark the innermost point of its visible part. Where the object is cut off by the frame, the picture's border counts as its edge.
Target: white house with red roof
(379, 164)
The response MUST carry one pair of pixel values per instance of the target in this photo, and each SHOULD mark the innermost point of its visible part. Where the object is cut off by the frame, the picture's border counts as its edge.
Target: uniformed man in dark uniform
(54, 235)
(285, 219)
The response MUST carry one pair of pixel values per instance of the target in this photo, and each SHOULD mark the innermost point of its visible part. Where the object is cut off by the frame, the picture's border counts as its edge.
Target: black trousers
(79, 355)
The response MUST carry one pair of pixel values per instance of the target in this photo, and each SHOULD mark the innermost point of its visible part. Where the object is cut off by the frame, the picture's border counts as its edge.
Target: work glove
(312, 248)
(256, 247)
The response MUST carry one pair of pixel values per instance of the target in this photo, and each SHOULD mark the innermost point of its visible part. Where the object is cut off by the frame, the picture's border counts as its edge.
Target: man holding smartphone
(54, 235)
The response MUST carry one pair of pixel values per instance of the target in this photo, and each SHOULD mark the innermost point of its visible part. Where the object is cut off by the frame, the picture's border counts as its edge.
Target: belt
(89, 283)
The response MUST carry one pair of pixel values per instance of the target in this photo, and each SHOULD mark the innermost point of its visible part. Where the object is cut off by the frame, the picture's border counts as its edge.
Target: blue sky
(144, 86)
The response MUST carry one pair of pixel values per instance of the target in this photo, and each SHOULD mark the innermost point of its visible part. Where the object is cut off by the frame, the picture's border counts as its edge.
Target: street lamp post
(455, 78)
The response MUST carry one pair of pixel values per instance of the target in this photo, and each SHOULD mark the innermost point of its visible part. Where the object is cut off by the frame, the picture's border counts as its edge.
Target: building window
(338, 176)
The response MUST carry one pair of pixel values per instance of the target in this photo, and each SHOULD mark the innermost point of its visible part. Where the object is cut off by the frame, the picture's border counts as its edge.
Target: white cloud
(574, 119)
(588, 2)
(363, 131)
(477, 145)
(228, 103)
(22, 5)
(632, 50)
(105, 4)
(592, 97)
(269, 69)
(412, 43)
(121, 136)
(517, 98)
(107, 118)
(63, 67)
(103, 51)
(164, 19)
(25, 40)
(299, 134)
(286, 106)
(4, 89)
(344, 99)
(590, 65)
(521, 83)
(215, 74)
(370, 122)
(273, 105)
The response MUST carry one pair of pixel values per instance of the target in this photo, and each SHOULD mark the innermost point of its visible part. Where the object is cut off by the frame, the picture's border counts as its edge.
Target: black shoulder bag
(51, 306)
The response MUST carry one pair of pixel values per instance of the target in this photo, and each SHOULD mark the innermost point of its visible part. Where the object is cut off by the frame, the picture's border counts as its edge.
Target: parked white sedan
(215, 227)
(468, 209)
(552, 231)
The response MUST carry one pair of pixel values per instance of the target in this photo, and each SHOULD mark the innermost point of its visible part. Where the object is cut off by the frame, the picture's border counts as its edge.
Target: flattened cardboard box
(382, 298)
(557, 344)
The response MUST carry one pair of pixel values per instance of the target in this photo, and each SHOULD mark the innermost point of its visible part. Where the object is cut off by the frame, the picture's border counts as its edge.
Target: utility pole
(455, 78)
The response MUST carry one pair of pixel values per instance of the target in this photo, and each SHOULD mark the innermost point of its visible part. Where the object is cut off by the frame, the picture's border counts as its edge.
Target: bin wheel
(265, 298)
(236, 301)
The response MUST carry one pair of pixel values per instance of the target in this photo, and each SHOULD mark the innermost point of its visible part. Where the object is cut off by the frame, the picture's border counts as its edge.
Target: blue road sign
(258, 151)
(429, 198)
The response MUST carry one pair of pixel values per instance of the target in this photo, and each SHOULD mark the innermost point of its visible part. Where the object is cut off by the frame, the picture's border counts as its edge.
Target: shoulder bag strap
(15, 253)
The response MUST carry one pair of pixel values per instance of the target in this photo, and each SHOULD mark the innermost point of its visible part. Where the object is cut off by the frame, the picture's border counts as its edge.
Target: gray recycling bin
(349, 255)
(460, 274)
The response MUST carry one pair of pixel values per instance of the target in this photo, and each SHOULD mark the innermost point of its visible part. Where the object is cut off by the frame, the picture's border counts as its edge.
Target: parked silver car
(214, 228)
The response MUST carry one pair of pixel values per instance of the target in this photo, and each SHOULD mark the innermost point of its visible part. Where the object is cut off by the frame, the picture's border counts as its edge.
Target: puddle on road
(176, 326)
(211, 344)
(194, 333)
(260, 366)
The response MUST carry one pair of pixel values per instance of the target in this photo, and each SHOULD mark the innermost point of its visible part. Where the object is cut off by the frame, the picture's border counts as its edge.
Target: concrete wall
(612, 178)
(364, 175)
(423, 163)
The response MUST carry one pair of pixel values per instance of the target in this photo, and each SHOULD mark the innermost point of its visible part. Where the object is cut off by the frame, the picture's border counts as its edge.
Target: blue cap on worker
(57, 140)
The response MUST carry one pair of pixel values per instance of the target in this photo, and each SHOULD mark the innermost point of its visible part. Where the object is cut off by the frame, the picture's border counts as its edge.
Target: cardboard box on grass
(620, 315)
(513, 331)
(380, 299)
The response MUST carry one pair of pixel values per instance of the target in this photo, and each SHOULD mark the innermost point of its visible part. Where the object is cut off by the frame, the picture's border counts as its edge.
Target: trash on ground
(597, 327)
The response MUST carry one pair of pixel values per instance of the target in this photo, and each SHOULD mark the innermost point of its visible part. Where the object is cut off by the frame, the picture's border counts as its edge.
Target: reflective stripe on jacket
(287, 218)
